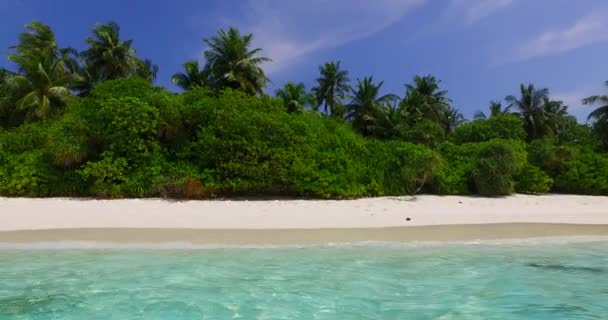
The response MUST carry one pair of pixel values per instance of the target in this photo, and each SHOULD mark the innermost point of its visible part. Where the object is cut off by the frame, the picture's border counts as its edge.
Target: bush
(396, 168)
(549, 157)
(426, 132)
(585, 173)
(125, 129)
(507, 127)
(452, 179)
(495, 167)
(251, 145)
(25, 174)
(454, 173)
(532, 180)
(68, 139)
(132, 87)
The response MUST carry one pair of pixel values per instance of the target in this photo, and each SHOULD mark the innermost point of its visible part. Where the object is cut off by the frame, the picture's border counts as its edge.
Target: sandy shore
(422, 218)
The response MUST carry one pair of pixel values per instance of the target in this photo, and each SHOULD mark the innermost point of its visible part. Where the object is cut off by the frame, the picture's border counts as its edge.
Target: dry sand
(421, 218)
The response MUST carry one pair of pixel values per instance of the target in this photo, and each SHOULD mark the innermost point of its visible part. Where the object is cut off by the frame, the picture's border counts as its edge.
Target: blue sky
(481, 49)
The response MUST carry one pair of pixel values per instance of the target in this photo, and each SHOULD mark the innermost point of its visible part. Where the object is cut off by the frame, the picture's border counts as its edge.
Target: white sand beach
(302, 221)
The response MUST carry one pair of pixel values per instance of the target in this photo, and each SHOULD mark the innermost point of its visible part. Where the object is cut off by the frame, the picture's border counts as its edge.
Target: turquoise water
(455, 281)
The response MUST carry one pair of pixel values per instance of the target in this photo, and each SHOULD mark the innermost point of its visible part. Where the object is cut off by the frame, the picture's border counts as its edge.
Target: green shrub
(586, 173)
(114, 176)
(508, 127)
(24, 138)
(549, 157)
(250, 144)
(454, 173)
(68, 140)
(25, 174)
(532, 180)
(120, 88)
(452, 179)
(495, 167)
(127, 126)
(128, 159)
(574, 133)
(397, 168)
(426, 132)
(335, 161)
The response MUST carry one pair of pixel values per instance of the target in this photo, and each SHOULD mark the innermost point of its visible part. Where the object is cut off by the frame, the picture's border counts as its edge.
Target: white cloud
(584, 32)
(475, 10)
(288, 31)
(459, 12)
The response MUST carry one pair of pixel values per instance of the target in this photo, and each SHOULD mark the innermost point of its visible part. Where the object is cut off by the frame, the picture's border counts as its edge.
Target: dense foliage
(92, 123)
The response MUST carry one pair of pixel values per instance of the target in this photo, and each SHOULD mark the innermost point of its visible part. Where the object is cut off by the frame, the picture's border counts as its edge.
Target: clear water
(457, 281)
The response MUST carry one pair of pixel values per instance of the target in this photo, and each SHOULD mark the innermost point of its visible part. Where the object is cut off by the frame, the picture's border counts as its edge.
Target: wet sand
(239, 237)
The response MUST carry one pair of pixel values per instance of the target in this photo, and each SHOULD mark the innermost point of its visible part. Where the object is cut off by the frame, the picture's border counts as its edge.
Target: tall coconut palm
(332, 86)
(232, 63)
(41, 86)
(599, 116)
(364, 108)
(295, 97)
(496, 109)
(425, 99)
(114, 58)
(192, 77)
(530, 106)
(38, 39)
(41, 82)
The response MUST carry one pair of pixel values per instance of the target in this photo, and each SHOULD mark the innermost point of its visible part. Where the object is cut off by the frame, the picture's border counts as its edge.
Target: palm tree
(114, 58)
(147, 70)
(37, 40)
(331, 87)
(496, 109)
(295, 97)
(452, 119)
(231, 63)
(87, 77)
(425, 99)
(192, 77)
(601, 113)
(364, 108)
(530, 105)
(41, 83)
(599, 116)
(392, 120)
(557, 117)
(41, 86)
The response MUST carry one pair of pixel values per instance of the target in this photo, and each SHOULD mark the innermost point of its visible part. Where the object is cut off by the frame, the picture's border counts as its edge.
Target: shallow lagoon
(519, 280)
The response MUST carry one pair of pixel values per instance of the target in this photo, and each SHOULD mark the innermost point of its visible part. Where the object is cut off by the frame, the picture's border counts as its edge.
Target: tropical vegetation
(92, 123)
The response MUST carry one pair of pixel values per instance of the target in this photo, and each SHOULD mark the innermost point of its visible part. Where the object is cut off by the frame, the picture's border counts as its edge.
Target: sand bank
(421, 218)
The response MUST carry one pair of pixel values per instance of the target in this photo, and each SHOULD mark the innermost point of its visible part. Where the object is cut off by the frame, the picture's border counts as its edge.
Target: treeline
(92, 123)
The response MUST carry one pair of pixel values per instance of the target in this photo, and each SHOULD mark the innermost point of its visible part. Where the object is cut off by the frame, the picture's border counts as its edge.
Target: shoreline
(301, 237)
(301, 222)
